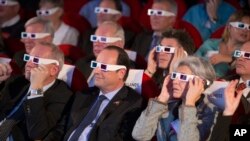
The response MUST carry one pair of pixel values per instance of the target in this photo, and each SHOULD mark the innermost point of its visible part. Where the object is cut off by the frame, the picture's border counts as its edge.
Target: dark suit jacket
(18, 58)
(142, 43)
(114, 124)
(40, 114)
(15, 30)
(221, 129)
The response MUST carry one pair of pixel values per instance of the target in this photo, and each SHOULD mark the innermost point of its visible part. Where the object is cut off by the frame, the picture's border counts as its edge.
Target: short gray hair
(119, 30)
(56, 53)
(47, 25)
(200, 67)
(173, 5)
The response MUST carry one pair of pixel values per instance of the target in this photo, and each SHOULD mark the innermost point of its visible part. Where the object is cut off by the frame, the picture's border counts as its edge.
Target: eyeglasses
(106, 10)
(103, 39)
(238, 53)
(240, 25)
(155, 12)
(166, 49)
(46, 12)
(8, 2)
(25, 35)
(185, 77)
(106, 67)
(38, 60)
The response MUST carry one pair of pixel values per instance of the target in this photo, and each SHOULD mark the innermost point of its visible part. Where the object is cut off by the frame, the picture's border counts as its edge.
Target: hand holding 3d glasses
(231, 101)
(152, 64)
(5, 71)
(166, 89)
(38, 76)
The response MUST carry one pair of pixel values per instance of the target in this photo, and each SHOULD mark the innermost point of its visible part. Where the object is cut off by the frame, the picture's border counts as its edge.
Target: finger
(166, 80)
(9, 69)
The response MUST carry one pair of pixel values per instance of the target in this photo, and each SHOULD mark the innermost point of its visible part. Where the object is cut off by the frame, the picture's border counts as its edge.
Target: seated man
(117, 105)
(35, 100)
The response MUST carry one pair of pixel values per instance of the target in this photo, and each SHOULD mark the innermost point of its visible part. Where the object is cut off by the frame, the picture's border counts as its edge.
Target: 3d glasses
(155, 12)
(106, 67)
(8, 2)
(106, 10)
(185, 77)
(238, 53)
(46, 12)
(104, 39)
(37, 60)
(166, 49)
(25, 35)
(240, 25)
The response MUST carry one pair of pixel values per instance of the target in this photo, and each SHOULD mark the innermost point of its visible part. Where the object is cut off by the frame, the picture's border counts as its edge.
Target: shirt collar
(11, 22)
(46, 87)
(111, 94)
(246, 90)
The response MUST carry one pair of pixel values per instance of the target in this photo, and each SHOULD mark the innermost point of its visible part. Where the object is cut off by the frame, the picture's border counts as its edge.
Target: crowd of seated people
(119, 37)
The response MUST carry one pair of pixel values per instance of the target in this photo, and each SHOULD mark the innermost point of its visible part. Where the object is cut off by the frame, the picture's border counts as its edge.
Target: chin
(177, 95)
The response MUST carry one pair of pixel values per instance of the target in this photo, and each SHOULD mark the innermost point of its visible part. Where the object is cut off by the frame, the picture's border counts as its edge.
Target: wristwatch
(36, 91)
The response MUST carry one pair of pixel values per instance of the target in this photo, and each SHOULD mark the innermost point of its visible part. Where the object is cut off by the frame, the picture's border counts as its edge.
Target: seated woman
(220, 51)
(52, 10)
(181, 111)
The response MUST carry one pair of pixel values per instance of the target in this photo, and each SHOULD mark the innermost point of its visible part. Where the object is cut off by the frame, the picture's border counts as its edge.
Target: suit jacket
(142, 43)
(114, 124)
(42, 113)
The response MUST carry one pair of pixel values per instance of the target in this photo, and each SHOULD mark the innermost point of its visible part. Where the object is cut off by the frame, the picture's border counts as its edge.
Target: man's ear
(54, 70)
(122, 73)
(117, 17)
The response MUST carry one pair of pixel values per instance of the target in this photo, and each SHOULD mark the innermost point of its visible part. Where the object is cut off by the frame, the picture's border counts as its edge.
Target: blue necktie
(88, 118)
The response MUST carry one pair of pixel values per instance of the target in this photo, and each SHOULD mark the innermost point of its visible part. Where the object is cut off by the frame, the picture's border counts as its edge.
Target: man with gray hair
(36, 30)
(162, 17)
(35, 101)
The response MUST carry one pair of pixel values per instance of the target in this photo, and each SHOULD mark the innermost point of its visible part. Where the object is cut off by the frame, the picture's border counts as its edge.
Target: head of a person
(238, 27)
(108, 10)
(107, 34)
(50, 10)
(111, 68)
(243, 61)
(36, 30)
(46, 54)
(173, 39)
(162, 15)
(190, 68)
(8, 9)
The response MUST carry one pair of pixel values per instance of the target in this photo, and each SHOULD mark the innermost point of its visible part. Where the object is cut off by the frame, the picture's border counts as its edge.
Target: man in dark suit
(118, 111)
(35, 101)
(237, 107)
(162, 17)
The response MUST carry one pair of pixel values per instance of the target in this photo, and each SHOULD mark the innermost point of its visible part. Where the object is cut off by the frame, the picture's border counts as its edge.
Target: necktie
(155, 42)
(240, 110)
(88, 118)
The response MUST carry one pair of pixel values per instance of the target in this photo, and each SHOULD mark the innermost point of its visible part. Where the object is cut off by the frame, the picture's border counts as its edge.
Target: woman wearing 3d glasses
(219, 51)
(181, 112)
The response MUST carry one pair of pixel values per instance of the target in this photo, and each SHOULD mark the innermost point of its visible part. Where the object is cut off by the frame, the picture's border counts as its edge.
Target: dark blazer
(14, 31)
(40, 114)
(83, 65)
(221, 129)
(142, 43)
(114, 124)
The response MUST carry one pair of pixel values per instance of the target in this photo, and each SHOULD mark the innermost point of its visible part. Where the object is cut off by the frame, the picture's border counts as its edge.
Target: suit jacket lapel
(113, 105)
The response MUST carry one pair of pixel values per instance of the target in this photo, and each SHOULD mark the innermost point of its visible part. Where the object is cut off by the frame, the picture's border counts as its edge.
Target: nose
(97, 70)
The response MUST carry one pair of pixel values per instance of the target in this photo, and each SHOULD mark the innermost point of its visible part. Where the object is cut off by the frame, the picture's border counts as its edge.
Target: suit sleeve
(42, 113)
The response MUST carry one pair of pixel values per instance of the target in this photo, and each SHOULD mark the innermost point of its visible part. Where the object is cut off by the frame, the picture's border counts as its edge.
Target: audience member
(88, 11)
(11, 24)
(181, 111)
(36, 30)
(209, 16)
(219, 51)
(162, 17)
(108, 10)
(174, 45)
(52, 10)
(119, 109)
(236, 97)
(36, 98)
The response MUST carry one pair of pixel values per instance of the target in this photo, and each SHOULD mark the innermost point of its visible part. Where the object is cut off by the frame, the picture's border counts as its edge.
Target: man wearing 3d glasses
(109, 112)
(36, 30)
(237, 95)
(162, 17)
(32, 104)
(10, 22)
